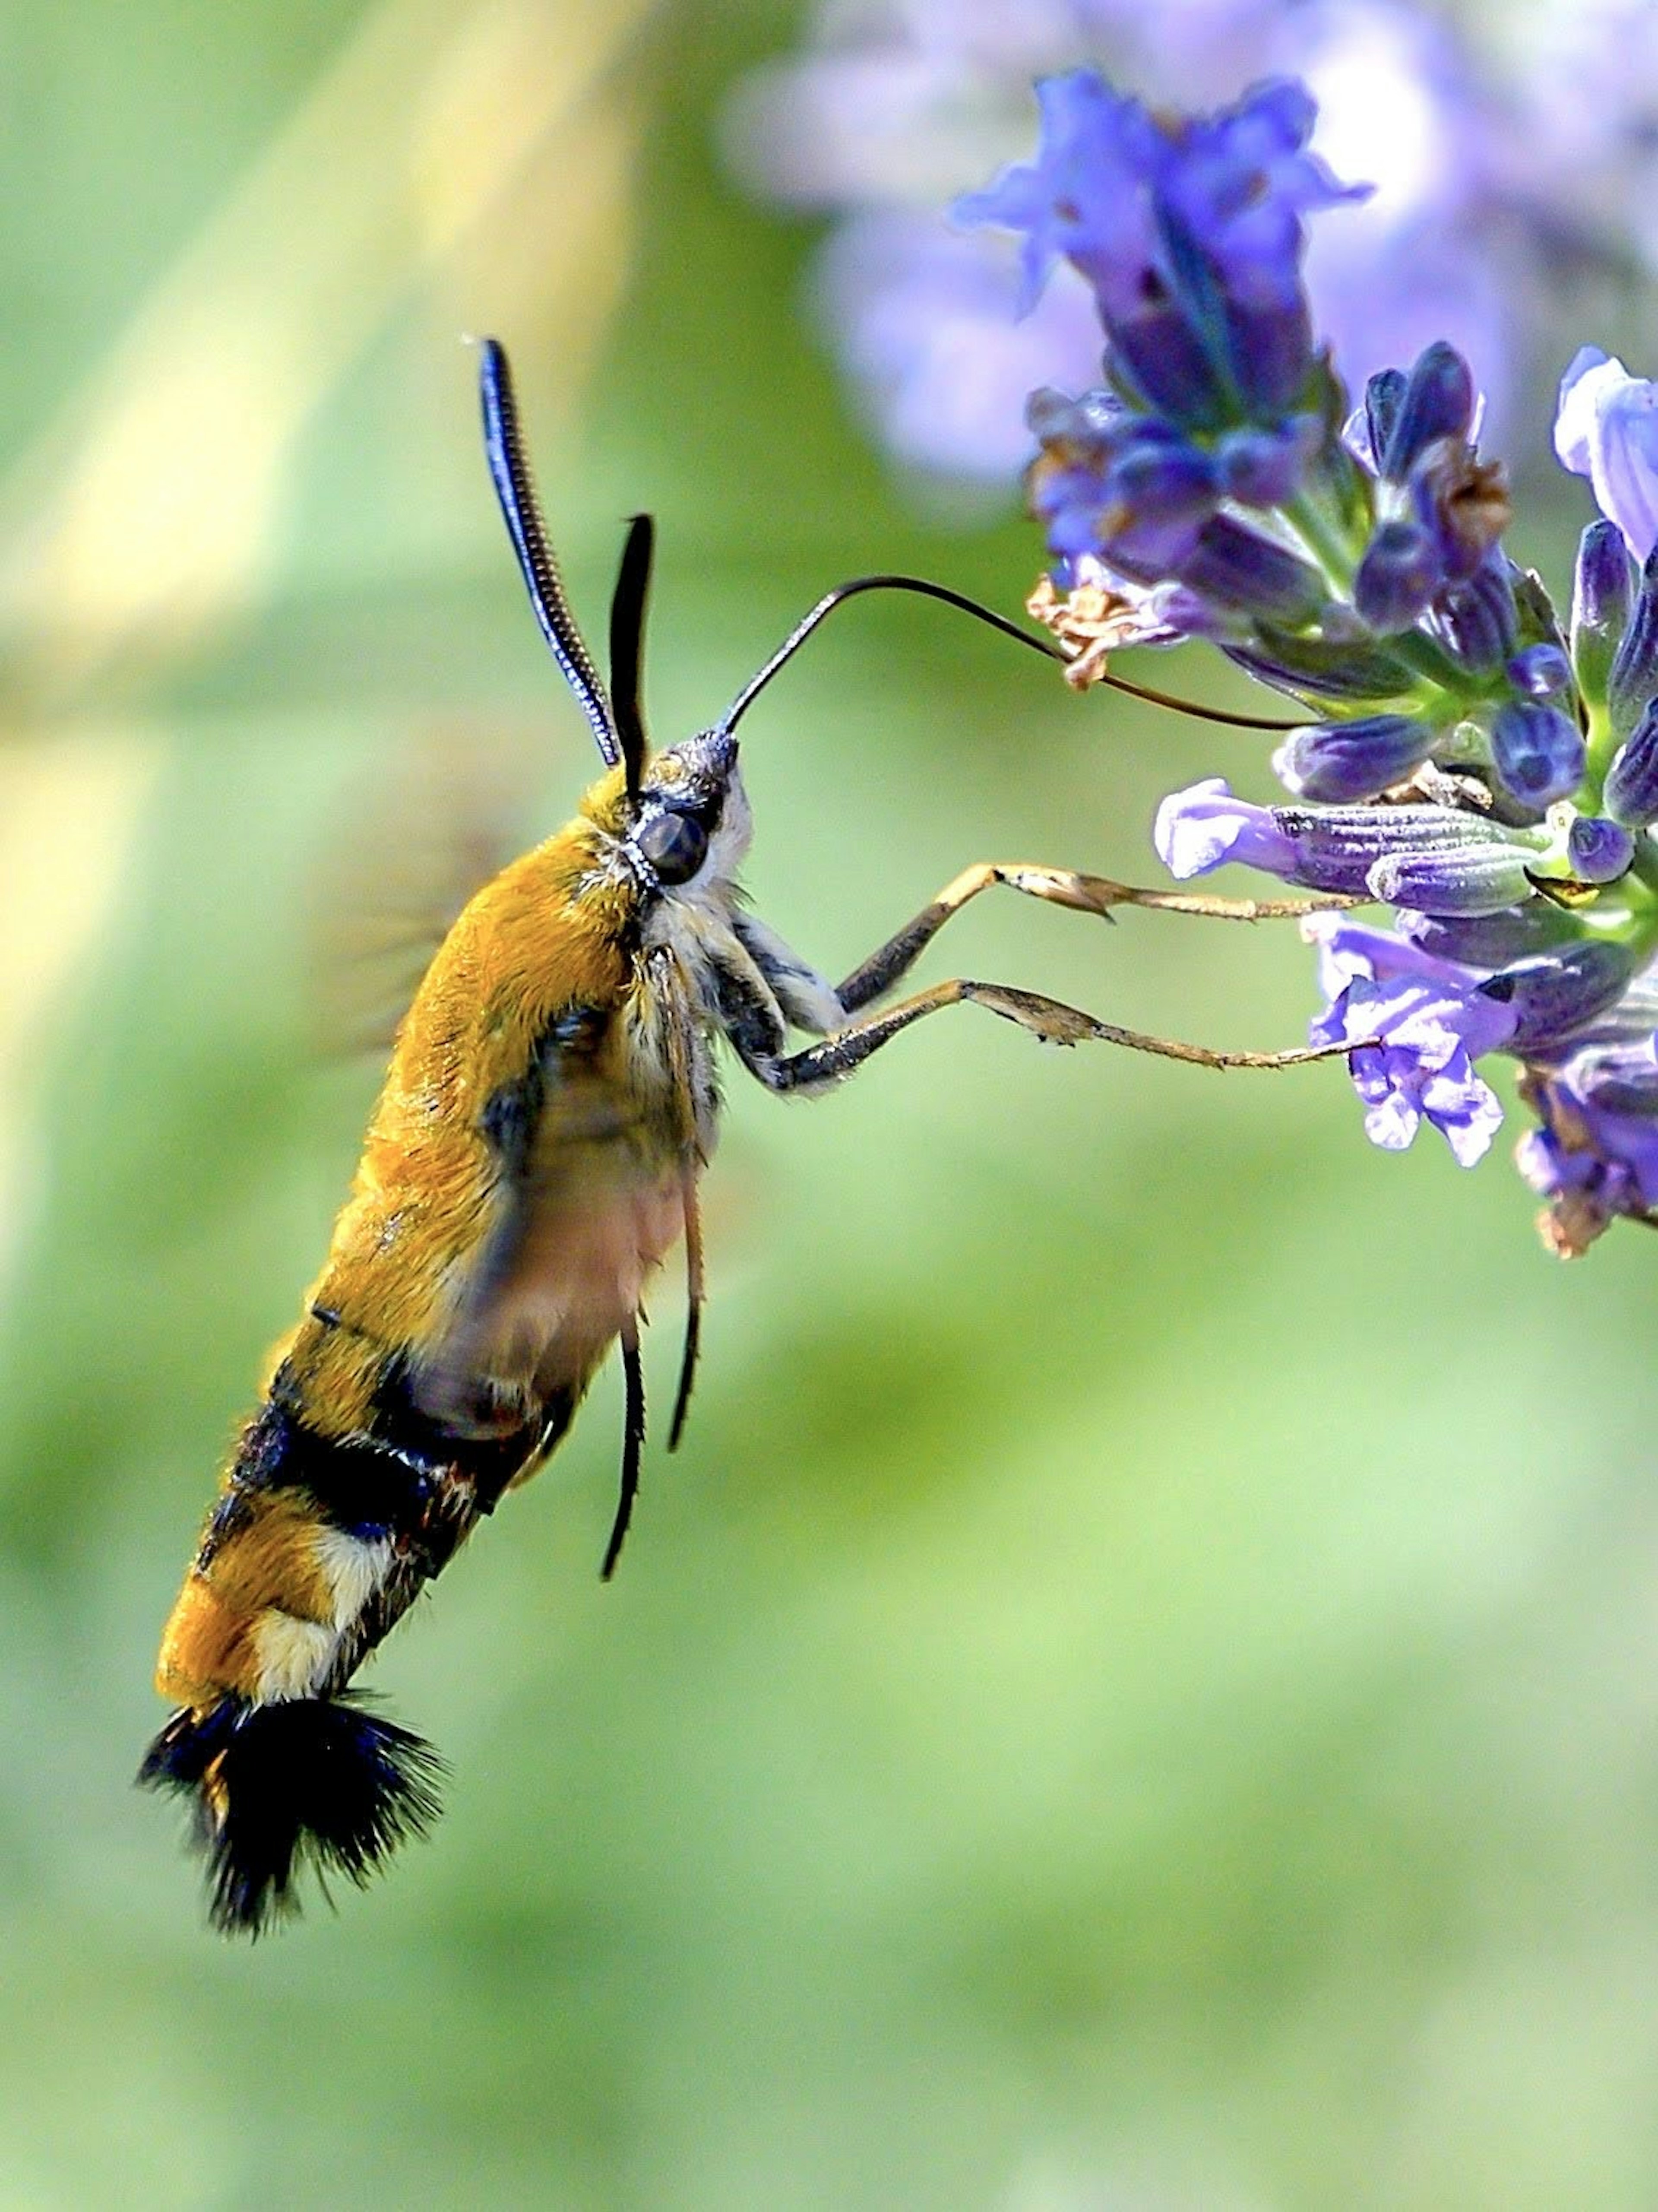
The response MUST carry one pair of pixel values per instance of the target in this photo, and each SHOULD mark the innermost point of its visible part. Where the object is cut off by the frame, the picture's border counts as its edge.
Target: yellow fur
(549, 935)
(541, 937)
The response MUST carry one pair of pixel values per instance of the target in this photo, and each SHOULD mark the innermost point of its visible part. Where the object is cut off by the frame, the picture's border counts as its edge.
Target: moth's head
(690, 823)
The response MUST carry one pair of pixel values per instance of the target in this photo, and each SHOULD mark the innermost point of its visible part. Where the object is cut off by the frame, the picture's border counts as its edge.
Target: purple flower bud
(1599, 604)
(1537, 752)
(1339, 761)
(1461, 879)
(1477, 619)
(1157, 495)
(1631, 792)
(1157, 468)
(1540, 670)
(1384, 395)
(1237, 567)
(1633, 1017)
(1438, 402)
(1264, 468)
(1169, 365)
(1488, 940)
(1269, 351)
(1596, 1155)
(1598, 851)
(1400, 571)
(1622, 1079)
(1340, 849)
(1133, 492)
(1555, 994)
(1634, 677)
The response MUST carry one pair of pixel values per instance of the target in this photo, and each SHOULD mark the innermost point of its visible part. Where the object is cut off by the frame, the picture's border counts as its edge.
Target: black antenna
(516, 490)
(627, 602)
(808, 623)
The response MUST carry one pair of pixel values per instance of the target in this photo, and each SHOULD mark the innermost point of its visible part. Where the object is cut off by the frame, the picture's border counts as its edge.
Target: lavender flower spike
(1606, 429)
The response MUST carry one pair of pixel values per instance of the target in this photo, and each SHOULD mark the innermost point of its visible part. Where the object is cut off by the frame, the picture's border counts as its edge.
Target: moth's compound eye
(676, 845)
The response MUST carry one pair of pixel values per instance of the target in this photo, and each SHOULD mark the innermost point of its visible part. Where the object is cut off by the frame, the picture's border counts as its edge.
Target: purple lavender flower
(1205, 826)
(1434, 860)
(1559, 996)
(1595, 1156)
(1190, 233)
(1338, 763)
(896, 106)
(1431, 1022)
(1397, 577)
(1089, 199)
(1606, 429)
(1438, 401)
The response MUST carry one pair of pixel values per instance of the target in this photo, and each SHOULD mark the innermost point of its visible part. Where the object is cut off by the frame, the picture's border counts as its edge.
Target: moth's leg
(809, 1001)
(677, 1036)
(632, 1444)
(1050, 1020)
(696, 1296)
(1060, 887)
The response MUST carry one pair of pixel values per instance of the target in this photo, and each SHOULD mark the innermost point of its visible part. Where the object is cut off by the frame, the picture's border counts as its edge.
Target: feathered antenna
(515, 488)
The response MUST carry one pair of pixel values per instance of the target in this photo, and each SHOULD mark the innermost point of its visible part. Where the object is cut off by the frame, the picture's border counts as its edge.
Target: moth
(551, 1103)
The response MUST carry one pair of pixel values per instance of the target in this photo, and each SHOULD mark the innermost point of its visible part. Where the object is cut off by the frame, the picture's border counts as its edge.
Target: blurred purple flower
(898, 106)
(927, 322)
(1586, 75)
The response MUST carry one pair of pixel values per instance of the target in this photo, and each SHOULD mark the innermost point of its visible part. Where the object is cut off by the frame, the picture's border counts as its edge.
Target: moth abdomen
(317, 1782)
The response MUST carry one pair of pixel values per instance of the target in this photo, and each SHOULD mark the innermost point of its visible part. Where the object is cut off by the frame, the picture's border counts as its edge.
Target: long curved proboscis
(515, 487)
(809, 622)
(627, 604)
(825, 606)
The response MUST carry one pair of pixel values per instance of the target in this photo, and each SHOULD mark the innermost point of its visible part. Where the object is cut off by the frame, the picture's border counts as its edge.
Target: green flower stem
(1602, 745)
(1435, 666)
(1644, 870)
(1322, 535)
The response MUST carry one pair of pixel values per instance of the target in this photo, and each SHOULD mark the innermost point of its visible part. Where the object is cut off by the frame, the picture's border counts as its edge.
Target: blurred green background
(1141, 1689)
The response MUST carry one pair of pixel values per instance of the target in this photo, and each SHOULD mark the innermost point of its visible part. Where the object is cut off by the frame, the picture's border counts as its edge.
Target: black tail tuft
(322, 1781)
